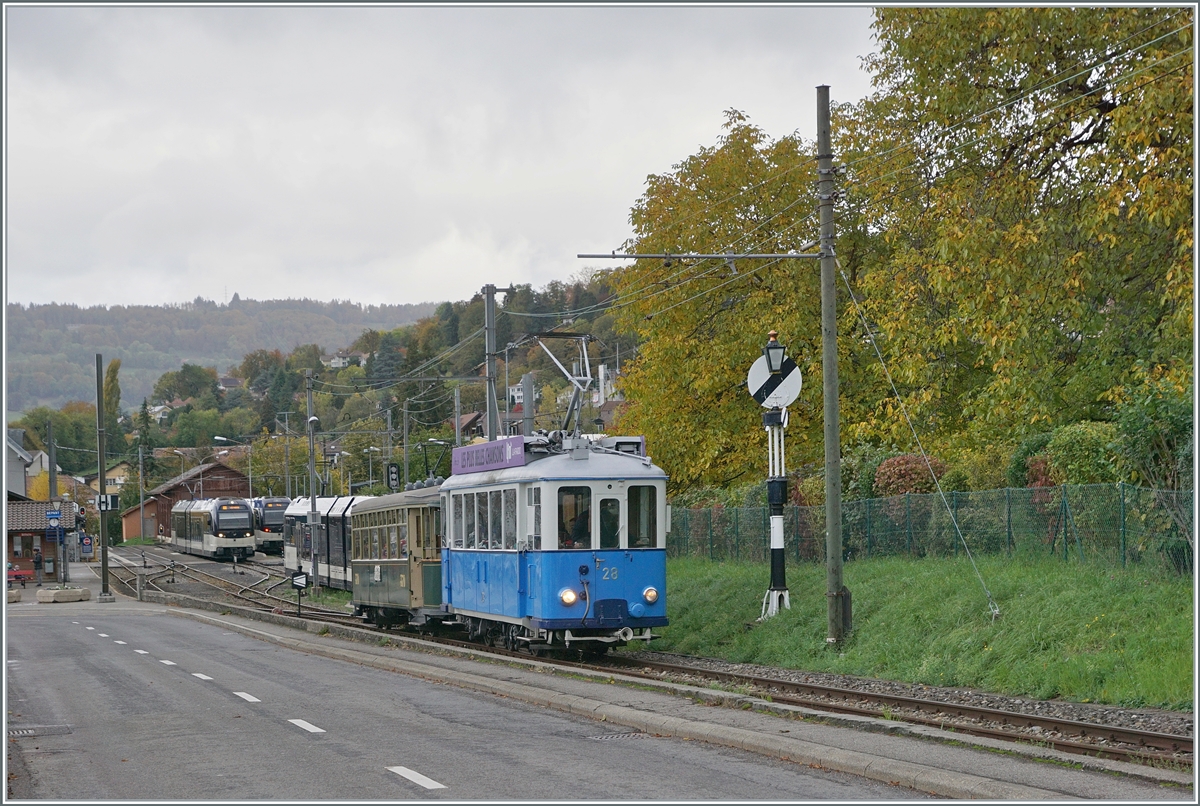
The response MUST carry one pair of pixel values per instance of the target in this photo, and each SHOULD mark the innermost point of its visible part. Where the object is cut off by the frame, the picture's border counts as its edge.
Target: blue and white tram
(333, 540)
(213, 527)
(555, 541)
(268, 523)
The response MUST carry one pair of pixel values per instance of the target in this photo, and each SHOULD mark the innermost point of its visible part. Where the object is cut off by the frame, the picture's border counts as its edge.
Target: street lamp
(249, 458)
(371, 464)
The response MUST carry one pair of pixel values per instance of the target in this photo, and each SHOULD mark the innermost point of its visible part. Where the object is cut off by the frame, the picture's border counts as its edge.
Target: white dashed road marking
(201, 676)
(417, 778)
(247, 697)
(168, 662)
(118, 642)
(91, 628)
(306, 725)
(102, 634)
(141, 652)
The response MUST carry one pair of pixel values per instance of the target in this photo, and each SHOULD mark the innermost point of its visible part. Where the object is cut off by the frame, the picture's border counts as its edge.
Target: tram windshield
(643, 516)
(575, 517)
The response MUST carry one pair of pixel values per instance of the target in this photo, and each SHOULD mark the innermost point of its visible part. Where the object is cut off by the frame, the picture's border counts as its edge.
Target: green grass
(1081, 633)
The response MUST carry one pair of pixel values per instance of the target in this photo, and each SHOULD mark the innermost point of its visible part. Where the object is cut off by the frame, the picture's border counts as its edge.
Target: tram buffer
(774, 381)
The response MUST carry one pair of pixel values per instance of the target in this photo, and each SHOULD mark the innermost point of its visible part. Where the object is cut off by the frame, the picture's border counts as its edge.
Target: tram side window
(510, 519)
(643, 516)
(495, 520)
(481, 520)
(402, 532)
(469, 511)
(457, 519)
(535, 501)
(575, 517)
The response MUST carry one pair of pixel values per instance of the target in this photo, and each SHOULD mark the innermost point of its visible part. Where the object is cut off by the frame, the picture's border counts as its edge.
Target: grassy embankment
(1081, 633)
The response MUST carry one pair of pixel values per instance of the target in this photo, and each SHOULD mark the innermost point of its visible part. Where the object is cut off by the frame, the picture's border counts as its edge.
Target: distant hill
(52, 348)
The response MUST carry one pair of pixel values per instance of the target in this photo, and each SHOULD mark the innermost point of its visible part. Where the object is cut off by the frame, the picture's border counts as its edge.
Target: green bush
(1017, 474)
(1083, 453)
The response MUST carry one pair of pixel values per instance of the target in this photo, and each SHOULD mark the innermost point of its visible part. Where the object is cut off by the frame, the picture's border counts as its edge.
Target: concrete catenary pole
(835, 592)
(457, 416)
(404, 481)
(527, 406)
(314, 518)
(51, 496)
(489, 339)
(105, 594)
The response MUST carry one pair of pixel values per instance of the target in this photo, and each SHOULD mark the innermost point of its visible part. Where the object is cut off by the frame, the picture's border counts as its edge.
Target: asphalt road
(166, 708)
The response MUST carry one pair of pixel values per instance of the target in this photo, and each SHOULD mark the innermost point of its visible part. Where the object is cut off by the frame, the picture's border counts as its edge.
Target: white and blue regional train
(268, 523)
(222, 528)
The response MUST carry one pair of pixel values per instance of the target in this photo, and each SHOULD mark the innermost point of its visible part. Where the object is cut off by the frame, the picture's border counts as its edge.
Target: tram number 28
(609, 573)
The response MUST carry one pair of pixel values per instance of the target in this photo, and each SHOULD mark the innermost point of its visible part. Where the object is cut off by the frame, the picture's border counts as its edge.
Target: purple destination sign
(495, 455)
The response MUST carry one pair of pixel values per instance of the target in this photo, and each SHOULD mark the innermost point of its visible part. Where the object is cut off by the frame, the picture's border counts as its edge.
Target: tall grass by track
(1085, 634)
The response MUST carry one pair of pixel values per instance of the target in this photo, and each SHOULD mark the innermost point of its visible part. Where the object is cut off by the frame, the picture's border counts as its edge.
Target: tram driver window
(643, 516)
(574, 517)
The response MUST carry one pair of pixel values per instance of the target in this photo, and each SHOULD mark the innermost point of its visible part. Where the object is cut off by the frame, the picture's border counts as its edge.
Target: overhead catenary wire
(992, 606)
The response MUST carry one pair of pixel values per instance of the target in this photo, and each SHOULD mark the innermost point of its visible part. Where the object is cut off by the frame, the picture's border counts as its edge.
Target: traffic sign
(393, 476)
(107, 503)
(299, 580)
(774, 391)
(86, 542)
(53, 514)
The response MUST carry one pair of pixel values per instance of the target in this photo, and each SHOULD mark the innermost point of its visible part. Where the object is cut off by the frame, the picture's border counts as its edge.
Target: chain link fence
(1115, 524)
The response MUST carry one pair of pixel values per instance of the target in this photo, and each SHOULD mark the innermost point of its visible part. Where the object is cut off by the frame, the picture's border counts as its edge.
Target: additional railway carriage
(555, 540)
(396, 560)
(268, 523)
(213, 527)
(333, 539)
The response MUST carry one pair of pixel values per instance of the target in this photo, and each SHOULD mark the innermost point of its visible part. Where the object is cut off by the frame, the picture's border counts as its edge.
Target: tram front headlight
(650, 595)
(220, 534)
(568, 596)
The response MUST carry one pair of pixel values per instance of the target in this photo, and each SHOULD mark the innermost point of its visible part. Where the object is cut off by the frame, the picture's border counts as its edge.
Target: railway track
(1072, 736)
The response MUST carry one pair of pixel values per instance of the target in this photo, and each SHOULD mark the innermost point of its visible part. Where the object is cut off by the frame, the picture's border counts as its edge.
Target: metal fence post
(868, 527)
(908, 522)
(1008, 516)
(954, 522)
(1121, 488)
(737, 538)
(710, 536)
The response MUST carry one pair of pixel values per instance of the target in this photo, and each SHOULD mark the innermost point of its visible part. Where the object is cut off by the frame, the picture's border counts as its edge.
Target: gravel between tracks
(1150, 719)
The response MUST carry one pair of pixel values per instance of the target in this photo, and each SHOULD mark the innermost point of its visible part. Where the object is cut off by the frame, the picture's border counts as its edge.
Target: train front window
(575, 517)
(643, 516)
(610, 523)
(496, 518)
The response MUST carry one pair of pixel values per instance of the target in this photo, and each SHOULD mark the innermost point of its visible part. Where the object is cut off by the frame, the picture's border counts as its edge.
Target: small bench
(19, 575)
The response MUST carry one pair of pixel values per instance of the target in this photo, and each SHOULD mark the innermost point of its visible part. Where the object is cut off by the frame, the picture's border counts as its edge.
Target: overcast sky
(381, 155)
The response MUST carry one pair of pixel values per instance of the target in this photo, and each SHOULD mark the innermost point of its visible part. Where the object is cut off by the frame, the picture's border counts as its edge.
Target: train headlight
(568, 596)
(650, 595)
(220, 534)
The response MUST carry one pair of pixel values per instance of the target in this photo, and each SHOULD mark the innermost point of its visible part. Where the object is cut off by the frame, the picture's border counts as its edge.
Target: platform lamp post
(249, 459)
(774, 381)
(371, 464)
